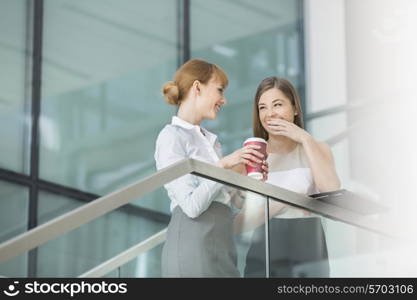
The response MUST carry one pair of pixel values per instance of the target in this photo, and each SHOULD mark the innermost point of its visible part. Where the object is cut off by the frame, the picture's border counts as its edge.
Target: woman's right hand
(243, 156)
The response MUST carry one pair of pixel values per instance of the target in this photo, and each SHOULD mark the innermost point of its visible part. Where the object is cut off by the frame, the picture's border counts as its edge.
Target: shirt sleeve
(218, 149)
(193, 194)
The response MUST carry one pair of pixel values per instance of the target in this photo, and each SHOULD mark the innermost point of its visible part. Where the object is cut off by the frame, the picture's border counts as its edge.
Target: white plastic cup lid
(256, 175)
(254, 139)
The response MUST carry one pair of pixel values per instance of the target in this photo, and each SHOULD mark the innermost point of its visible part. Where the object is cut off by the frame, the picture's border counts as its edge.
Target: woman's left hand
(288, 129)
(242, 170)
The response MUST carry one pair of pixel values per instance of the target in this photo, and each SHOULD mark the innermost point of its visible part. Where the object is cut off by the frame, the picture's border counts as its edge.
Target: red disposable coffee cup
(257, 171)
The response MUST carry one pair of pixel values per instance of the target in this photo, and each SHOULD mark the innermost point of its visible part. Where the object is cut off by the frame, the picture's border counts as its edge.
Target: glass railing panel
(304, 244)
(113, 274)
(146, 265)
(87, 246)
(297, 243)
(356, 252)
(210, 231)
(251, 220)
(152, 201)
(214, 231)
(204, 240)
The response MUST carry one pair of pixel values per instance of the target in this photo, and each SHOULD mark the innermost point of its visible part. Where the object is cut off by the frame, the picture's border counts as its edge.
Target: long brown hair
(288, 90)
(194, 69)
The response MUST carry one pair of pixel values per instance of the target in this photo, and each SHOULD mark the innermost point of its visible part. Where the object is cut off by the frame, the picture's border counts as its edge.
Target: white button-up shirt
(180, 140)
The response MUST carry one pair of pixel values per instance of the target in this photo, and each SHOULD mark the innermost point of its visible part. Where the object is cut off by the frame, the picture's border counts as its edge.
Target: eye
(278, 104)
(261, 107)
(220, 90)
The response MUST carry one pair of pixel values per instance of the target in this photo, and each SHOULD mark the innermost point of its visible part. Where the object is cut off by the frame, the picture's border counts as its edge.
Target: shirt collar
(184, 124)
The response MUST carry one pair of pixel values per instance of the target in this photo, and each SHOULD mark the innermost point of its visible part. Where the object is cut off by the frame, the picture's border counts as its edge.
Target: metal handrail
(156, 239)
(108, 203)
(124, 257)
(88, 212)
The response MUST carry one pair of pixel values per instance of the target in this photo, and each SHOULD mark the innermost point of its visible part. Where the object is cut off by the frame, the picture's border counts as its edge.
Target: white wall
(363, 52)
(325, 53)
(382, 74)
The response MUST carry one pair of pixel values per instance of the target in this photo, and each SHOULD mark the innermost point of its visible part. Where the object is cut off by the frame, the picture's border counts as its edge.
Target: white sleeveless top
(291, 171)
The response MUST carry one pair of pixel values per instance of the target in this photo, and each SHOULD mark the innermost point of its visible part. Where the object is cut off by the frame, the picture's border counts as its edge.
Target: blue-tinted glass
(250, 41)
(15, 78)
(104, 63)
(14, 203)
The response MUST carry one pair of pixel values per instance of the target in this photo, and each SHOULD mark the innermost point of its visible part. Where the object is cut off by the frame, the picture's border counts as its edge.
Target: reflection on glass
(144, 265)
(250, 224)
(250, 41)
(103, 67)
(15, 81)
(200, 238)
(298, 246)
(304, 244)
(14, 203)
(214, 242)
(79, 250)
(356, 252)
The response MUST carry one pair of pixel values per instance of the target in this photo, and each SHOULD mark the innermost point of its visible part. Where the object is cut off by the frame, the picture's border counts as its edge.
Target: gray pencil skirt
(200, 247)
(297, 249)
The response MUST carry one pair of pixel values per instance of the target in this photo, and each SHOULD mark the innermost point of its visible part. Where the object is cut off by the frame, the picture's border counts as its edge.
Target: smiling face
(273, 104)
(288, 108)
(212, 99)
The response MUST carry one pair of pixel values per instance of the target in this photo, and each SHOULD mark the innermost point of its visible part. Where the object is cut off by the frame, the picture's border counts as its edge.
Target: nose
(270, 112)
(224, 101)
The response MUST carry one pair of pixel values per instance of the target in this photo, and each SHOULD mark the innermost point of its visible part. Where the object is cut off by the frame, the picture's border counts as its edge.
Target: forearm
(239, 169)
(322, 167)
(193, 200)
(254, 216)
(248, 220)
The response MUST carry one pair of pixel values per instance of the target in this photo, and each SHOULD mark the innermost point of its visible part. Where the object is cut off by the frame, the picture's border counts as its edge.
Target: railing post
(267, 237)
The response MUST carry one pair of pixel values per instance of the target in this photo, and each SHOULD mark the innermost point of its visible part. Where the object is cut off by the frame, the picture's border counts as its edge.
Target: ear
(295, 109)
(196, 86)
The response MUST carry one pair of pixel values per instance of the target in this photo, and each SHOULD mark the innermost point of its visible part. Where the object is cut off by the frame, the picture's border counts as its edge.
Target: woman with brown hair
(299, 163)
(199, 239)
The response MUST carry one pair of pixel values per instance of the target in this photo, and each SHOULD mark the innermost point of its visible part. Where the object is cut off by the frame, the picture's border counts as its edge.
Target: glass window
(250, 41)
(14, 207)
(327, 128)
(15, 78)
(85, 247)
(332, 129)
(104, 65)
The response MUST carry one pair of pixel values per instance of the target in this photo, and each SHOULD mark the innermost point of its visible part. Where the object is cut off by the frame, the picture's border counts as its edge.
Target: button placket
(208, 146)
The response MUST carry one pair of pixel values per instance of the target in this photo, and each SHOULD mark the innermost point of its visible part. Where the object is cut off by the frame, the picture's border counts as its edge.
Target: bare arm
(252, 214)
(319, 154)
(322, 165)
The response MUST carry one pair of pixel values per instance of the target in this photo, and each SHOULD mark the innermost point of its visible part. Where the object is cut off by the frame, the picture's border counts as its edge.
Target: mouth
(267, 122)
